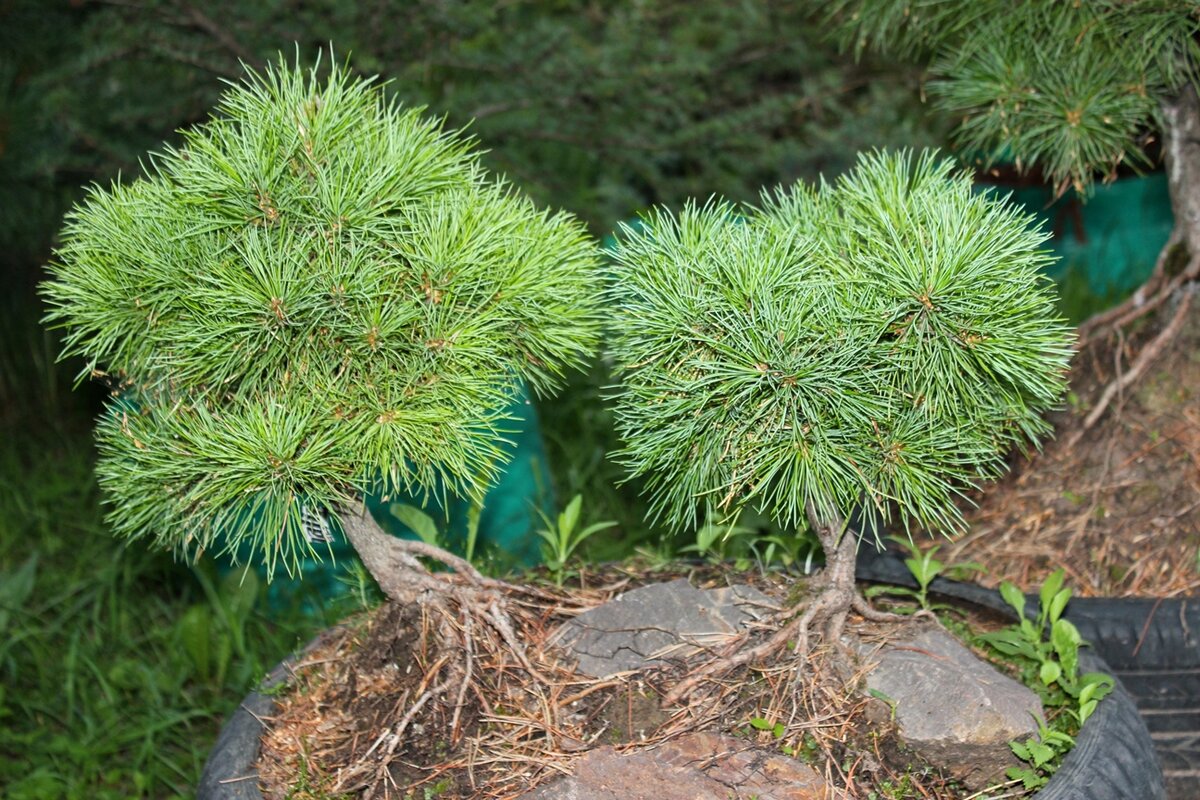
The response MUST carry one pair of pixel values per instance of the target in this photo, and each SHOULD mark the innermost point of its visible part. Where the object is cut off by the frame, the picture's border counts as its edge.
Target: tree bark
(1181, 152)
(840, 543)
(394, 564)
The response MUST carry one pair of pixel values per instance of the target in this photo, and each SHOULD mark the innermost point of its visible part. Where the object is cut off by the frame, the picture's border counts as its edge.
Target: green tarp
(1113, 238)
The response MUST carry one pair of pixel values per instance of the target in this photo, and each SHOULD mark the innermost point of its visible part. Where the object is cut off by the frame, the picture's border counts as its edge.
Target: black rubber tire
(1146, 644)
(1113, 758)
(1152, 650)
(230, 773)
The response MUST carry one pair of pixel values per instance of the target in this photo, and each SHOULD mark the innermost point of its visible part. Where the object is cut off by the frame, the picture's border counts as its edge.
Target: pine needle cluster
(1070, 86)
(885, 339)
(319, 293)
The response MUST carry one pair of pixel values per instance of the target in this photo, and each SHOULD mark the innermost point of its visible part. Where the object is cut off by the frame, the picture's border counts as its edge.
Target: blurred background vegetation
(116, 664)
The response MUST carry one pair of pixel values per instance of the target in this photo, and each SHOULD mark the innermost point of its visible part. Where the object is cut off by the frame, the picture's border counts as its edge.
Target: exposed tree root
(827, 611)
(395, 564)
(1124, 380)
(394, 710)
(872, 614)
(470, 657)
(1149, 296)
(405, 580)
(466, 618)
(1188, 275)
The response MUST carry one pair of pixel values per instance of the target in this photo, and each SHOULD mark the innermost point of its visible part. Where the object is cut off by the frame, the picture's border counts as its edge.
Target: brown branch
(1150, 352)
(202, 22)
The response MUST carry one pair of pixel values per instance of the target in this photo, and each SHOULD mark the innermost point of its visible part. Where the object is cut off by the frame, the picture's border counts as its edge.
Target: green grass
(117, 664)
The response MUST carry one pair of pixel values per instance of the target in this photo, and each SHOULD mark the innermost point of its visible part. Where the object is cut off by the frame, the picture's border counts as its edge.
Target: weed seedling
(560, 538)
(924, 567)
(1046, 649)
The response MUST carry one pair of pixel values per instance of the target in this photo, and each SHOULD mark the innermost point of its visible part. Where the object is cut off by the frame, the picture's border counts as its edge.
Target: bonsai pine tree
(881, 342)
(316, 295)
(1074, 89)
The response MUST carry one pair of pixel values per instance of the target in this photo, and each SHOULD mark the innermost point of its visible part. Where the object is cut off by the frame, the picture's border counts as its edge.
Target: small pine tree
(319, 294)
(879, 342)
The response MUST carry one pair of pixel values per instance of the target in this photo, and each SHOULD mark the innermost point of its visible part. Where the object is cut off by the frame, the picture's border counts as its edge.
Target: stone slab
(697, 766)
(954, 709)
(652, 625)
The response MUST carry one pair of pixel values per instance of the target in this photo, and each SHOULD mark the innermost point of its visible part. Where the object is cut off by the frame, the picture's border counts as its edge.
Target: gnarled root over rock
(468, 640)
(825, 610)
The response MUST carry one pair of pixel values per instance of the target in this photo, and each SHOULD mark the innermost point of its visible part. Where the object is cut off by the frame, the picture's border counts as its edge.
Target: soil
(331, 736)
(1118, 506)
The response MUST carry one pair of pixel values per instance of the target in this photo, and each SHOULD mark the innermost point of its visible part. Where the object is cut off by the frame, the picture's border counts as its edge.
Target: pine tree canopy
(885, 339)
(319, 293)
(1072, 87)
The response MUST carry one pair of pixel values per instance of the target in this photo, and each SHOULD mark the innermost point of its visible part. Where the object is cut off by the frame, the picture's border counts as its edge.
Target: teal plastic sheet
(1113, 238)
(509, 515)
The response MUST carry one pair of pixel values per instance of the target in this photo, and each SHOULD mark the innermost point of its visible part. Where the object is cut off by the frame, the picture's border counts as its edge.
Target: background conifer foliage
(1073, 88)
(599, 108)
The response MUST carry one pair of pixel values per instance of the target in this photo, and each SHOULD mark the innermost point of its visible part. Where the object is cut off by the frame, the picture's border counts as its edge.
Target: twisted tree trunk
(826, 609)
(1181, 128)
(395, 564)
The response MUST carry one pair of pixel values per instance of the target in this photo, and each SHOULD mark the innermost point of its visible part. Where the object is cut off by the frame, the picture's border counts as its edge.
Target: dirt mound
(1117, 506)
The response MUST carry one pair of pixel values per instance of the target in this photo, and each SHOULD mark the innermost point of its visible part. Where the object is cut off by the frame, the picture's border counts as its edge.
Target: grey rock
(650, 625)
(955, 710)
(697, 766)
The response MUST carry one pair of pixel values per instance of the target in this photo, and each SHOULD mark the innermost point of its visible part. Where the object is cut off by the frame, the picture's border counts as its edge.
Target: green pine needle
(318, 294)
(885, 339)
